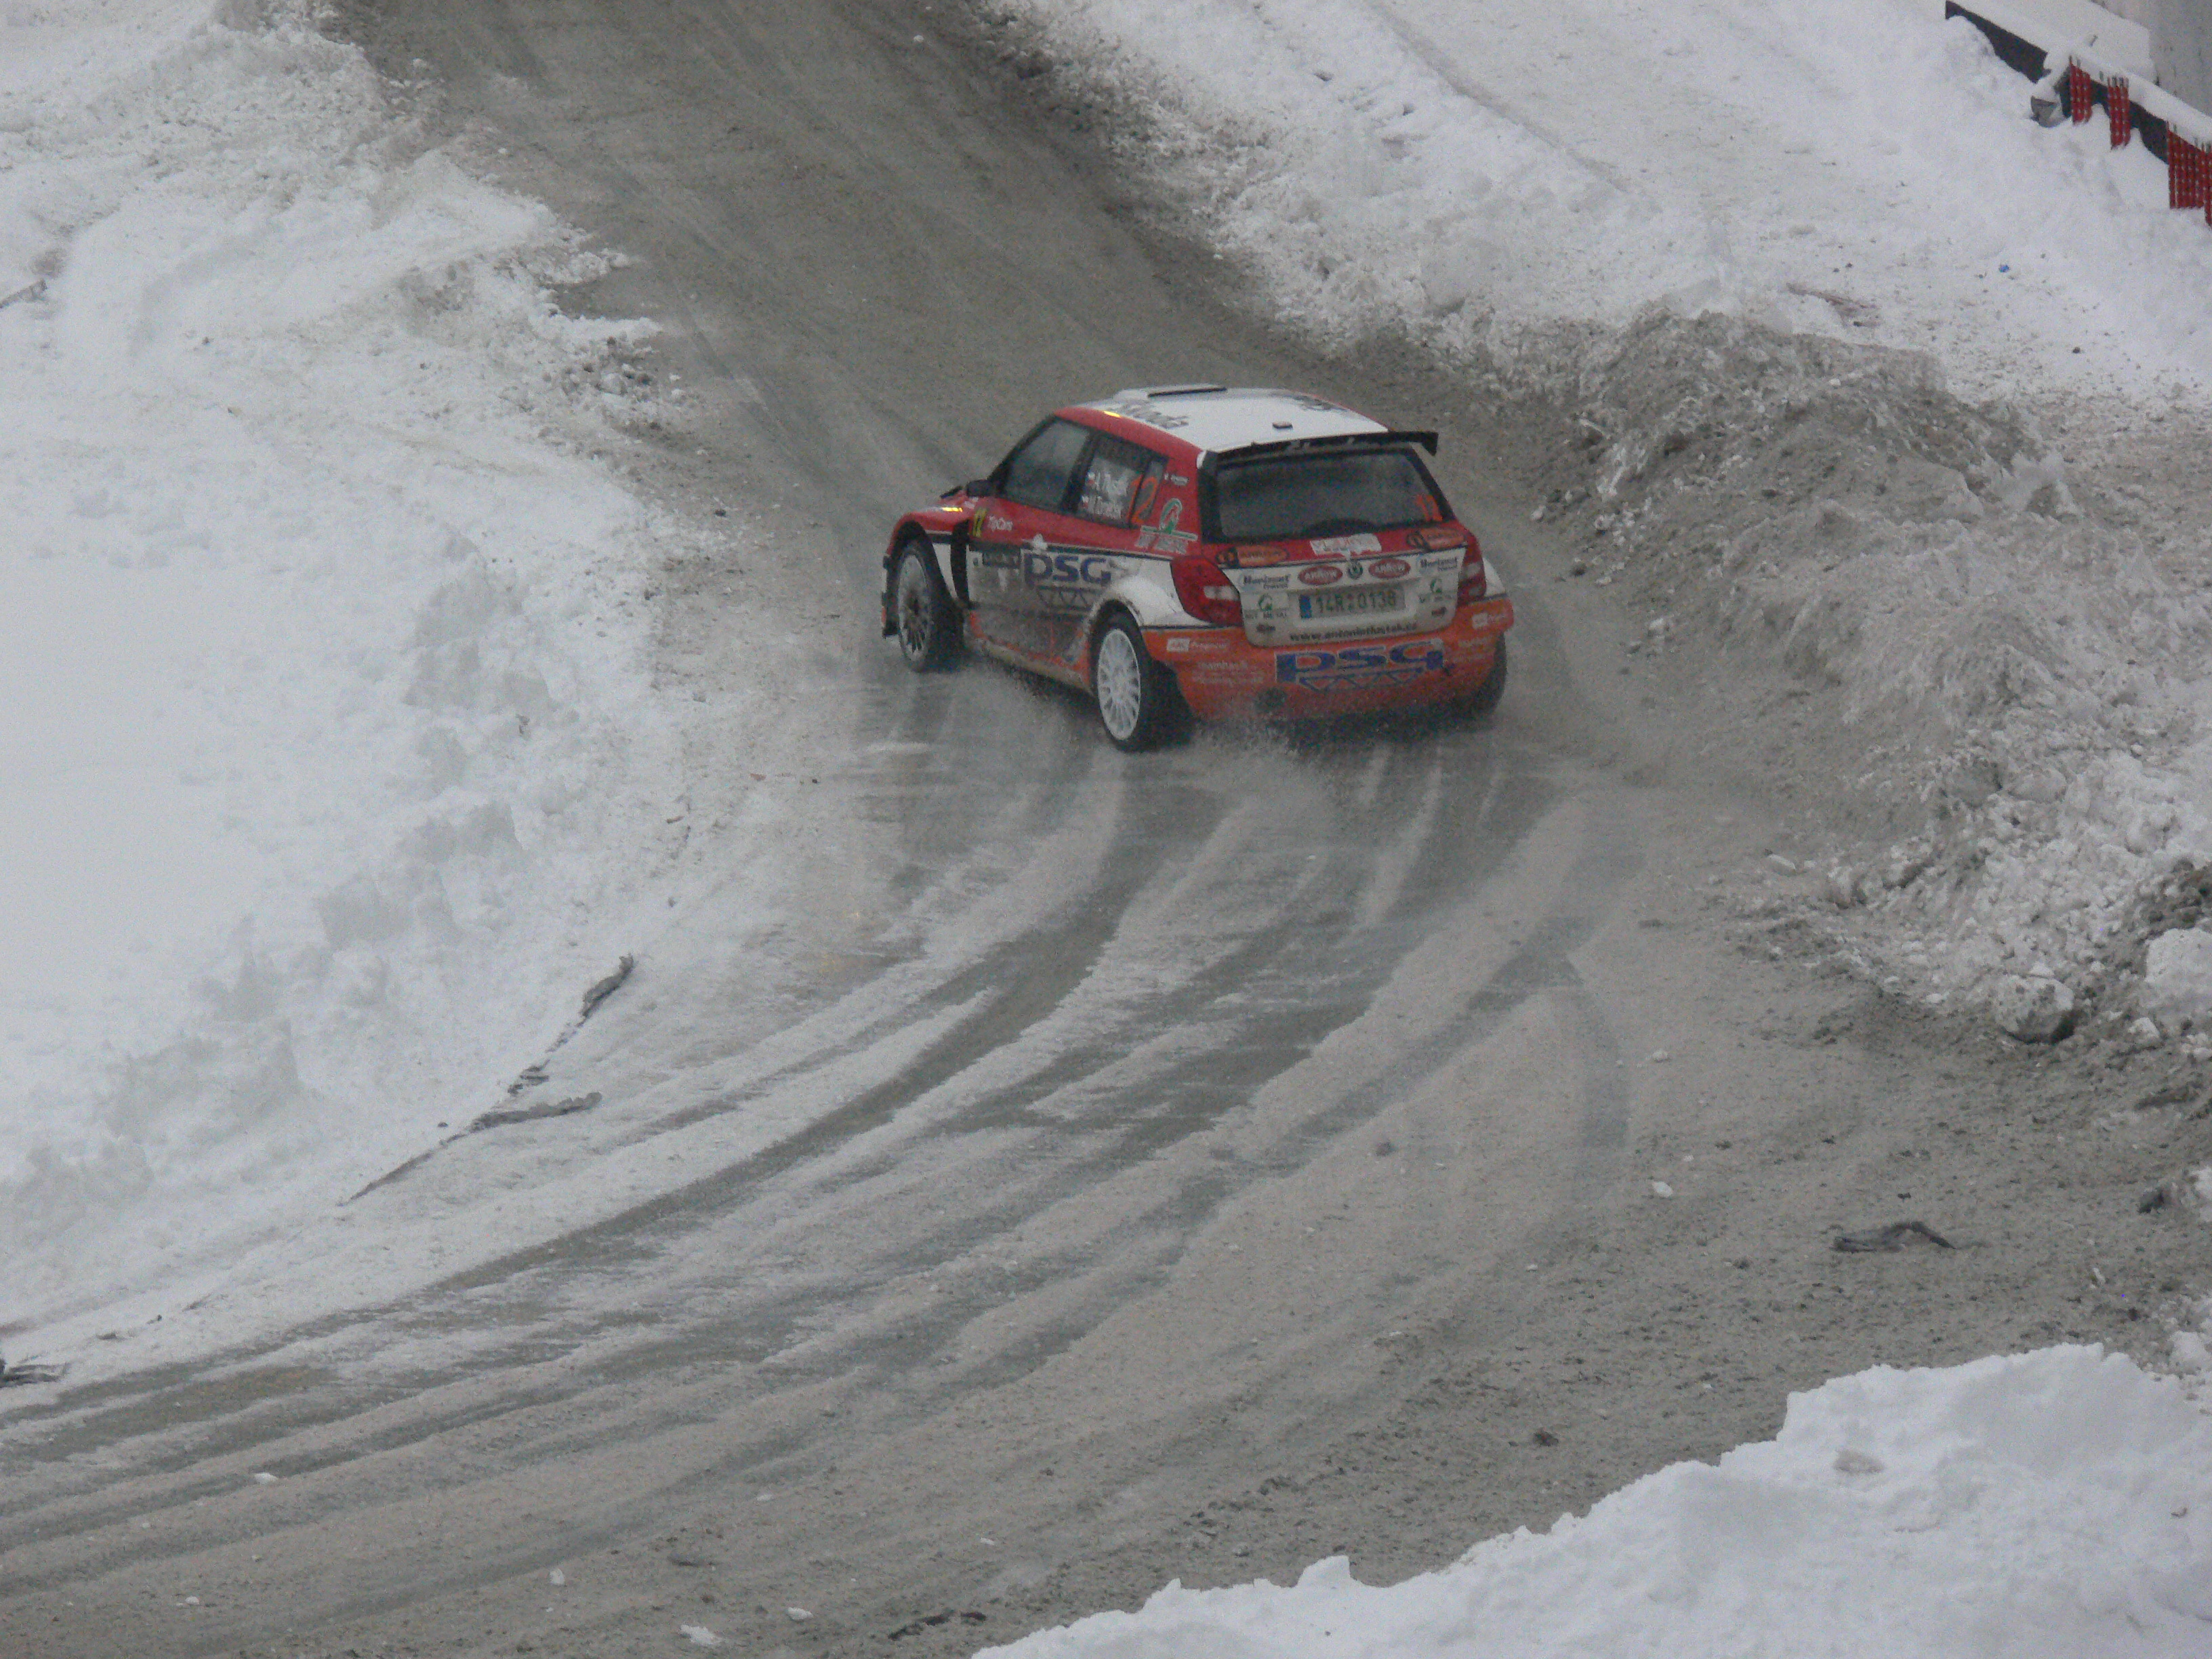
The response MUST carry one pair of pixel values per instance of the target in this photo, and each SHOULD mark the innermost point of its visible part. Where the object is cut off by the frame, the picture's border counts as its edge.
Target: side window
(1039, 473)
(1111, 482)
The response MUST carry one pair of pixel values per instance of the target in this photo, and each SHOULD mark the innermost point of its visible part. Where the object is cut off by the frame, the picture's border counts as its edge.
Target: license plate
(1348, 601)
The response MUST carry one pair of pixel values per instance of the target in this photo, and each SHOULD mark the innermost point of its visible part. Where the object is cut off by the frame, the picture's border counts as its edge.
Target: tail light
(1203, 590)
(1474, 579)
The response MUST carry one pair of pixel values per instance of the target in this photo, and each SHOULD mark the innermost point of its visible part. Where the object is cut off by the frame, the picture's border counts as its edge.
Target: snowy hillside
(321, 682)
(1485, 174)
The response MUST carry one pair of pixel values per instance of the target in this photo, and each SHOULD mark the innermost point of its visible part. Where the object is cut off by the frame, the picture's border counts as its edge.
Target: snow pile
(2014, 647)
(1754, 260)
(329, 758)
(2054, 1504)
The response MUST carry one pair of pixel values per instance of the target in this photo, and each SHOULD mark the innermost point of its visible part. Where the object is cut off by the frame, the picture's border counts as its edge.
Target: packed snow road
(1038, 1172)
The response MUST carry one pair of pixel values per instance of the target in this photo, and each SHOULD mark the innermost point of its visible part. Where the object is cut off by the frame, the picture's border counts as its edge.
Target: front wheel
(1137, 703)
(928, 625)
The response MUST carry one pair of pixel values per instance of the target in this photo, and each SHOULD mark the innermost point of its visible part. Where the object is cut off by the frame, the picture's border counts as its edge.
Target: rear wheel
(1136, 700)
(1479, 702)
(928, 625)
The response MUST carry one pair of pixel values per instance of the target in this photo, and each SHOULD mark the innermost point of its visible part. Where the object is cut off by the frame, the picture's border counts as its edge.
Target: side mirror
(973, 486)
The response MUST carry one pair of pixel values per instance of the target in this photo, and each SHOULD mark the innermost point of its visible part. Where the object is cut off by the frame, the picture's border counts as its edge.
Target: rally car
(1196, 550)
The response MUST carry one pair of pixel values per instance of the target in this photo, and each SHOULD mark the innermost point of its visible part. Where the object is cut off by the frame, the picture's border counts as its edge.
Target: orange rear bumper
(1223, 675)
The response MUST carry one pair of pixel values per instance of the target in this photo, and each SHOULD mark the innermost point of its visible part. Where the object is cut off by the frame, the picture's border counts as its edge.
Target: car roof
(1218, 417)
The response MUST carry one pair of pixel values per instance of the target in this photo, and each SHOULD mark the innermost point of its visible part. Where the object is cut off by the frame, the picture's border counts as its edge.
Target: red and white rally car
(1215, 551)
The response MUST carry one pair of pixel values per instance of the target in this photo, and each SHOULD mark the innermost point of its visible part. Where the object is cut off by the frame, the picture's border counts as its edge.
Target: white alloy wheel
(1117, 679)
(927, 623)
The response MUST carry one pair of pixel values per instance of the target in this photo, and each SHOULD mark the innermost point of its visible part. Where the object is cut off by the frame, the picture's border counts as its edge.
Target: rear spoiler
(1340, 440)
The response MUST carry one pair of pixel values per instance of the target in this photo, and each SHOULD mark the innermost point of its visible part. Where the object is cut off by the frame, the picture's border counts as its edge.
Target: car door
(1114, 488)
(1027, 502)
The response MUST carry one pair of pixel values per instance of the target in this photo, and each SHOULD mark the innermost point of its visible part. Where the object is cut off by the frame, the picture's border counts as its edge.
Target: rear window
(1327, 493)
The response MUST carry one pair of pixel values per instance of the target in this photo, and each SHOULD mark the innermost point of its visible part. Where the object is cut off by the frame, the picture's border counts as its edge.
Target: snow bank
(2053, 1503)
(329, 758)
(2013, 642)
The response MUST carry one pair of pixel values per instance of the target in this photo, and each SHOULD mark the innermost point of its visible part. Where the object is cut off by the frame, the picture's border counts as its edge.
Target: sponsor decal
(1340, 547)
(1321, 575)
(1087, 569)
(1219, 673)
(1168, 534)
(1351, 667)
(1256, 558)
(1395, 625)
(994, 522)
(1440, 560)
(997, 558)
(1199, 644)
(1257, 584)
(1388, 570)
(1146, 492)
(1355, 570)
(1438, 537)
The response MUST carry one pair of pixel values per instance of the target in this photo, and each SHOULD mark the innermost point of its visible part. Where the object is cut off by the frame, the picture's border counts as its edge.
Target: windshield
(1326, 493)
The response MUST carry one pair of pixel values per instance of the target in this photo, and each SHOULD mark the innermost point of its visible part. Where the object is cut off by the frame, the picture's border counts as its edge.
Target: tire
(922, 613)
(1136, 700)
(1478, 703)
